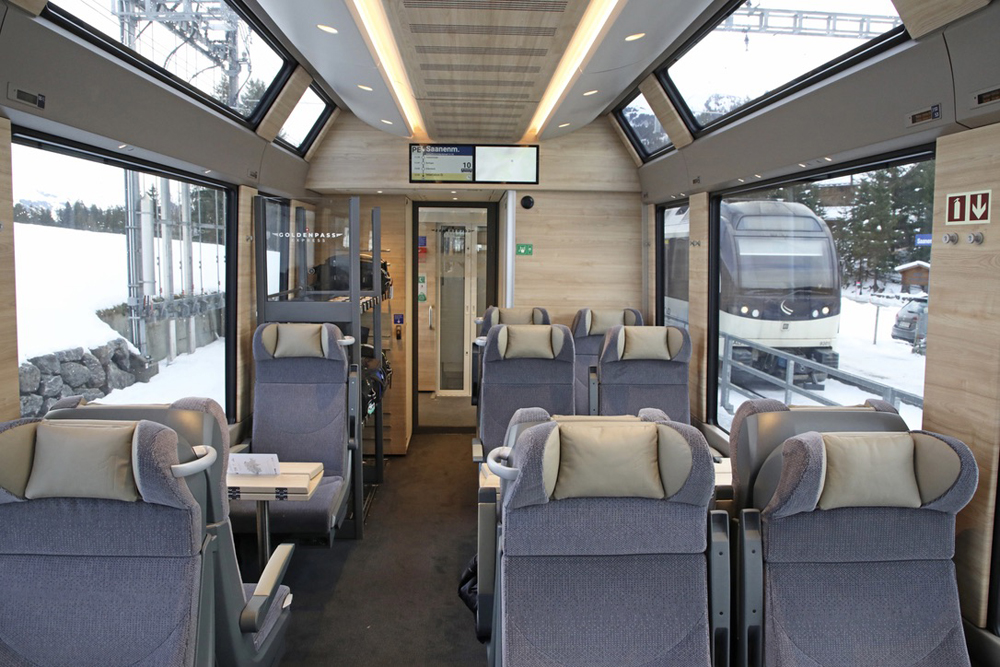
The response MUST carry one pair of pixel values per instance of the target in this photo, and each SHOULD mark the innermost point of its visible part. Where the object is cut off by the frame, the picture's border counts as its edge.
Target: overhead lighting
(632, 38)
(828, 159)
(591, 92)
(802, 165)
(370, 15)
(597, 16)
(208, 171)
(378, 192)
(121, 146)
(564, 125)
(365, 88)
(741, 180)
(757, 176)
(326, 28)
(387, 122)
(454, 198)
(454, 192)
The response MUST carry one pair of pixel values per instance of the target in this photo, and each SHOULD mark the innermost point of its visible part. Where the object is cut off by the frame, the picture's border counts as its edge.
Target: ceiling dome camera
(527, 201)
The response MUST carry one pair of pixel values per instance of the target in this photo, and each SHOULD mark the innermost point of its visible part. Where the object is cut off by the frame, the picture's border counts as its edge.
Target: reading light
(590, 92)
(597, 16)
(370, 15)
(632, 38)
(326, 28)
(364, 87)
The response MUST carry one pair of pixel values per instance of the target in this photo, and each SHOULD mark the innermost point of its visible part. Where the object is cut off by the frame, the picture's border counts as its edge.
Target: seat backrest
(866, 522)
(495, 315)
(645, 367)
(589, 327)
(604, 537)
(300, 394)
(523, 366)
(761, 425)
(100, 546)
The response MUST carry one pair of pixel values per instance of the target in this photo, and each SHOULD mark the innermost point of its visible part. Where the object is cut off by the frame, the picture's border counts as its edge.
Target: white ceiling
(444, 42)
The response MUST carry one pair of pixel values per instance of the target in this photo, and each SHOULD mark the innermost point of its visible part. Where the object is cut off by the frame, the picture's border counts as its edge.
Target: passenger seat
(589, 327)
(645, 367)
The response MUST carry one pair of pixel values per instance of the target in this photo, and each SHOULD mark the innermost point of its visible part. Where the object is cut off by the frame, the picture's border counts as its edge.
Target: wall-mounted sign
(397, 318)
(525, 249)
(923, 240)
(969, 208)
(422, 241)
(466, 163)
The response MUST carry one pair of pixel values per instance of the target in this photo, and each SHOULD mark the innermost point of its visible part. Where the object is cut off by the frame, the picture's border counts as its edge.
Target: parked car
(911, 319)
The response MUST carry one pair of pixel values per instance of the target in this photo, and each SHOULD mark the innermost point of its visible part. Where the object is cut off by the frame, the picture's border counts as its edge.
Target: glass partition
(676, 248)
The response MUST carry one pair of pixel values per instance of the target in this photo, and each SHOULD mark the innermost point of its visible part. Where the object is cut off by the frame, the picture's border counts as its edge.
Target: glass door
(461, 295)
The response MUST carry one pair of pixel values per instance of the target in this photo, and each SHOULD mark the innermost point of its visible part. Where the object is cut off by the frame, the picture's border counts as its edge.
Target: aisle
(391, 599)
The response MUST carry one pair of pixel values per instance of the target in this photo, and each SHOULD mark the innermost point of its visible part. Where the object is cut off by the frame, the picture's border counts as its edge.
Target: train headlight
(826, 310)
(755, 313)
(815, 313)
(744, 310)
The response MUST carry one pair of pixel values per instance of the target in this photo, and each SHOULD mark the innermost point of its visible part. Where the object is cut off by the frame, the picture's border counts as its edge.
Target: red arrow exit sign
(969, 208)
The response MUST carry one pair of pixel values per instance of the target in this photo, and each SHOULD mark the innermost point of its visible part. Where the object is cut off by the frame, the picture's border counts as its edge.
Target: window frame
(48, 142)
(661, 260)
(640, 148)
(859, 54)
(920, 153)
(317, 127)
(67, 20)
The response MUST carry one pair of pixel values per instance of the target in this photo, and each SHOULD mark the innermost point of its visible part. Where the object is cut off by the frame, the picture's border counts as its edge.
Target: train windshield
(785, 262)
(768, 223)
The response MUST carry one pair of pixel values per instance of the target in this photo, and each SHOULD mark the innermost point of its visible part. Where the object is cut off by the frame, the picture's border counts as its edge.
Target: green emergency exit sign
(525, 249)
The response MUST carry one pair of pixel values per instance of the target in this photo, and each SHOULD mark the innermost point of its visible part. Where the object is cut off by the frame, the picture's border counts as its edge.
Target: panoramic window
(120, 280)
(644, 126)
(203, 44)
(823, 291)
(765, 44)
(303, 123)
(676, 246)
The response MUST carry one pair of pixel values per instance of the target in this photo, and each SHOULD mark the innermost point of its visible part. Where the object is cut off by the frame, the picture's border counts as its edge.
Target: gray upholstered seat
(645, 367)
(589, 327)
(761, 425)
(102, 546)
(300, 414)
(524, 366)
(259, 638)
(495, 315)
(858, 538)
(605, 553)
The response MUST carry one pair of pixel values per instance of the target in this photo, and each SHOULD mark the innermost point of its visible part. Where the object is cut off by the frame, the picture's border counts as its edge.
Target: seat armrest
(487, 562)
(719, 587)
(477, 451)
(256, 608)
(750, 626)
(242, 448)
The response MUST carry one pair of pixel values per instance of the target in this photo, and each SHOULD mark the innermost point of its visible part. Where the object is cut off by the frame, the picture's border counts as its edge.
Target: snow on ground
(202, 374)
(887, 361)
(64, 276)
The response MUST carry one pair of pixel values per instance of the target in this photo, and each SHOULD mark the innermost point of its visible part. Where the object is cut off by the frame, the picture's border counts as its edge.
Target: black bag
(468, 585)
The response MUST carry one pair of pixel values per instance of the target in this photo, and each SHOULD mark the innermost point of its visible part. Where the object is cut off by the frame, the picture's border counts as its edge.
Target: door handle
(430, 317)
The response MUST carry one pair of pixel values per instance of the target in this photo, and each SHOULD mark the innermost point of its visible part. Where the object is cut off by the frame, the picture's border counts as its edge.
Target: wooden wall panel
(284, 104)
(923, 16)
(322, 134)
(10, 398)
(626, 142)
(33, 7)
(698, 305)
(665, 112)
(246, 304)
(962, 387)
(355, 157)
(586, 253)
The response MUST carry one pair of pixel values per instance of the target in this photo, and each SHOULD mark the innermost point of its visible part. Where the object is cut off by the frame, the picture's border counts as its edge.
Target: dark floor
(391, 598)
(434, 410)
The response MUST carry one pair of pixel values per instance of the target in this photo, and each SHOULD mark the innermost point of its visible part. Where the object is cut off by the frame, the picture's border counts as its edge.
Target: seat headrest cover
(17, 449)
(650, 343)
(295, 339)
(524, 341)
(515, 316)
(83, 459)
(599, 461)
(869, 470)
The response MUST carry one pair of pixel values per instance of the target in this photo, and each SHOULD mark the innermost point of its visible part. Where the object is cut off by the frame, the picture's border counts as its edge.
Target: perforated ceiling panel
(479, 67)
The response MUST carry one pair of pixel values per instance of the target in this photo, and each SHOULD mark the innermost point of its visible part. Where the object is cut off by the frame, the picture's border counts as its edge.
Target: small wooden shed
(915, 274)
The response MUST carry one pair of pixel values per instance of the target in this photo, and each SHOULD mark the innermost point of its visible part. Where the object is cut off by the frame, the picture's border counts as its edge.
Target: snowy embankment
(64, 276)
(865, 351)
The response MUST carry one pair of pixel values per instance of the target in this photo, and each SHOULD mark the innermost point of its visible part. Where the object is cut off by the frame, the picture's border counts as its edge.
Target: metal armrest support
(719, 588)
(206, 457)
(750, 635)
(477, 451)
(594, 405)
(499, 469)
(487, 554)
(353, 405)
(253, 614)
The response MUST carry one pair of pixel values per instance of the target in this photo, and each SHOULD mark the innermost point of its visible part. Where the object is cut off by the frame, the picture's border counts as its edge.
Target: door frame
(492, 272)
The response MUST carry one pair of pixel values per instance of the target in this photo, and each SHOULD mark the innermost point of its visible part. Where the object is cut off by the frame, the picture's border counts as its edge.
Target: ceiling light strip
(370, 15)
(599, 15)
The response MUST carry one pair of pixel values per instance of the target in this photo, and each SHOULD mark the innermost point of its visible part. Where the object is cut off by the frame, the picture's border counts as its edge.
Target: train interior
(504, 332)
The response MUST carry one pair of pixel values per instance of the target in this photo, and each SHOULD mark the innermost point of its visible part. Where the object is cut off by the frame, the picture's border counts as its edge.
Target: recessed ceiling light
(364, 87)
(802, 165)
(757, 176)
(387, 122)
(741, 180)
(564, 125)
(326, 28)
(591, 92)
(121, 146)
(379, 191)
(632, 38)
(454, 192)
(683, 194)
(208, 171)
(673, 196)
(454, 198)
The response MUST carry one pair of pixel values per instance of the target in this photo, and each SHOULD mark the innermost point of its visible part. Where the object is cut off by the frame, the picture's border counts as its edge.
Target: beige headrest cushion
(295, 339)
(83, 459)
(650, 343)
(515, 316)
(601, 321)
(530, 341)
(17, 449)
(869, 470)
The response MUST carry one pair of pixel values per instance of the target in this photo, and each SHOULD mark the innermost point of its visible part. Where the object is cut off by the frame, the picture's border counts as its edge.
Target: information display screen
(465, 163)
